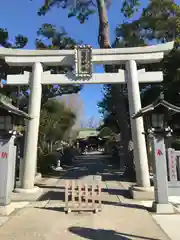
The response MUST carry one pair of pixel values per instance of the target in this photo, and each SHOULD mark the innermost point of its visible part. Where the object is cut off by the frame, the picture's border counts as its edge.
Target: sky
(20, 16)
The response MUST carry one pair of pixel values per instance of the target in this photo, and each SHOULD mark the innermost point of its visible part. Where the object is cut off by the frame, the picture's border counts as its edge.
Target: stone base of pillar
(20, 194)
(33, 190)
(141, 193)
(160, 208)
(38, 177)
(8, 209)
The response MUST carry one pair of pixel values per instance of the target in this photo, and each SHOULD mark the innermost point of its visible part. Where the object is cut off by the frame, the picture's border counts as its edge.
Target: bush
(176, 145)
(68, 155)
(46, 162)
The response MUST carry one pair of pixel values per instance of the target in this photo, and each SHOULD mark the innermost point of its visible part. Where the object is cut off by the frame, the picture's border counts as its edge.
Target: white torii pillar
(137, 126)
(31, 141)
(128, 56)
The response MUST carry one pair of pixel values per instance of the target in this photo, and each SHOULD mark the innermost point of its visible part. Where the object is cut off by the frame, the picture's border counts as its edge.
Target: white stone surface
(164, 47)
(175, 201)
(97, 78)
(98, 59)
(163, 208)
(58, 169)
(33, 190)
(32, 131)
(170, 224)
(3, 220)
(137, 126)
(147, 54)
(7, 210)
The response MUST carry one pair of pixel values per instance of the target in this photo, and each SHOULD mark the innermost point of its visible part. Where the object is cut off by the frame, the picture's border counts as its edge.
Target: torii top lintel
(144, 54)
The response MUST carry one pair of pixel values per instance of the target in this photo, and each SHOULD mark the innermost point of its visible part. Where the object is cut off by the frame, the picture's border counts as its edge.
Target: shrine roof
(87, 132)
(158, 102)
(12, 109)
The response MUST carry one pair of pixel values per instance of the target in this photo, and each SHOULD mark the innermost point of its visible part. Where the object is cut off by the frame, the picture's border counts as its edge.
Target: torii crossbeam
(97, 78)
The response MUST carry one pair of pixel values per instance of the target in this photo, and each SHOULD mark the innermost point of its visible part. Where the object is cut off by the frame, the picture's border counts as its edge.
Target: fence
(83, 195)
(173, 167)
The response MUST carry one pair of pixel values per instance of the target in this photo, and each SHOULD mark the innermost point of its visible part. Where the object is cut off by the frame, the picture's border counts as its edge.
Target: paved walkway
(120, 218)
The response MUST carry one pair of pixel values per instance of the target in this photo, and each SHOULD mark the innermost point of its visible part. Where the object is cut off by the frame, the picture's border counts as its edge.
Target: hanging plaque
(83, 61)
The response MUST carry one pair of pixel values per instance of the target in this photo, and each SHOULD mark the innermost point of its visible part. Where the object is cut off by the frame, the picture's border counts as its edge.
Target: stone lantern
(157, 115)
(10, 118)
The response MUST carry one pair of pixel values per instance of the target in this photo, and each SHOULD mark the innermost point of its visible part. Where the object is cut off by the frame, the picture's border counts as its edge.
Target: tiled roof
(85, 133)
(158, 102)
(12, 109)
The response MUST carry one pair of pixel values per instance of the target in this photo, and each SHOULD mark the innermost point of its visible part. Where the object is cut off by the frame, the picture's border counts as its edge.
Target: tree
(50, 37)
(20, 41)
(75, 103)
(158, 22)
(82, 9)
(57, 39)
(55, 121)
(106, 133)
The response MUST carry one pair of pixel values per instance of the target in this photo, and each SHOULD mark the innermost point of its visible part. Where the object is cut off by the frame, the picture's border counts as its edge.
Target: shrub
(68, 155)
(46, 162)
(176, 144)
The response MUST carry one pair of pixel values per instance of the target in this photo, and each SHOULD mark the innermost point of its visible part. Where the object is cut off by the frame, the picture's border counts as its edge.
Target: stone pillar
(161, 203)
(31, 142)
(21, 170)
(137, 126)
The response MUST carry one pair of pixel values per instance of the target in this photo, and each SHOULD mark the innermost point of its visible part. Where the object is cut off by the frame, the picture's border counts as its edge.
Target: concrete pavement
(121, 217)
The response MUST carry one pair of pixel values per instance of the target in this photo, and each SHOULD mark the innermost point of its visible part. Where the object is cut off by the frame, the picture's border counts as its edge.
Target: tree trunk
(103, 37)
(123, 120)
(121, 111)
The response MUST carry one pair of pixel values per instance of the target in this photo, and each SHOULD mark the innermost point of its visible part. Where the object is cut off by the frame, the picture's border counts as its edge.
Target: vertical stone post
(161, 204)
(21, 170)
(31, 142)
(21, 161)
(137, 126)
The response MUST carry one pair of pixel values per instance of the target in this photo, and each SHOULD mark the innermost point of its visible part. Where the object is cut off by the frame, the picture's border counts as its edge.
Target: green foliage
(19, 42)
(106, 132)
(68, 155)
(56, 38)
(161, 21)
(55, 121)
(5, 98)
(108, 109)
(82, 9)
(49, 37)
(46, 162)
(110, 104)
(158, 22)
(129, 35)
(176, 144)
(129, 7)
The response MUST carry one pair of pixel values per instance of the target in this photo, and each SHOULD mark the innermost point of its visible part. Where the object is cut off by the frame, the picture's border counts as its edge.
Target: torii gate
(128, 56)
